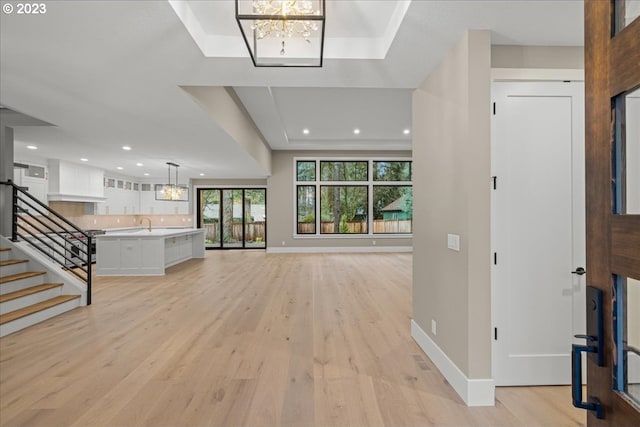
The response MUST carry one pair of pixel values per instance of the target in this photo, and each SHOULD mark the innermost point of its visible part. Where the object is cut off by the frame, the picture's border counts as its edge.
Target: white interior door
(537, 230)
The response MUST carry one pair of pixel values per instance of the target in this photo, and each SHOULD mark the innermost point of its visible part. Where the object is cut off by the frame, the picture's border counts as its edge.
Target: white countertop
(155, 232)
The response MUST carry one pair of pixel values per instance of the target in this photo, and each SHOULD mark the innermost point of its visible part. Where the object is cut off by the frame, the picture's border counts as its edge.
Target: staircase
(26, 296)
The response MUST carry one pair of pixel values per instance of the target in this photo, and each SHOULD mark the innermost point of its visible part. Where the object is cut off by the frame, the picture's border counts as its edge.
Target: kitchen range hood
(57, 197)
(70, 182)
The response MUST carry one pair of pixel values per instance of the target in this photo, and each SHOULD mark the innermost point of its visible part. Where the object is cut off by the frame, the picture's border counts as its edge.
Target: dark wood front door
(612, 78)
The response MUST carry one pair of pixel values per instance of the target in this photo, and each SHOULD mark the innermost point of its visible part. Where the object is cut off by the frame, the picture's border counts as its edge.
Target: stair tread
(17, 314)
(18, 276)
(28, 291)
(12, 262)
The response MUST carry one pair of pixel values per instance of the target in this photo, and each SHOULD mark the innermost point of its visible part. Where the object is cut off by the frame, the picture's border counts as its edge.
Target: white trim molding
(336, 249)
(536, 74)
(474, 392)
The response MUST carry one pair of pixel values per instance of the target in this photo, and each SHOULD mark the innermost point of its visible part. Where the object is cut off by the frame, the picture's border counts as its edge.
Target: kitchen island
(144, 252)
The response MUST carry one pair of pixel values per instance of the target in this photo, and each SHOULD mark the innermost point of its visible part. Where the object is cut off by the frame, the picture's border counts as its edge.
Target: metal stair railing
(45, 230)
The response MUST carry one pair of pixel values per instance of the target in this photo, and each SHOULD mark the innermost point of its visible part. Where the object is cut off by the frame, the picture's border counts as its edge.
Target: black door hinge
(494, 108)
(495, 258)
(495, 182)
(495, 334)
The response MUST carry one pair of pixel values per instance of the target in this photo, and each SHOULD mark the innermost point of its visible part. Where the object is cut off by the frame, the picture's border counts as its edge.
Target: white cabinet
(34, 179)
(120, 201)
(122, 198)
(129, 256)
(150, 206)
(177, 249)
(146, 252)
(72, 182)
(17, 176)
(37, 187)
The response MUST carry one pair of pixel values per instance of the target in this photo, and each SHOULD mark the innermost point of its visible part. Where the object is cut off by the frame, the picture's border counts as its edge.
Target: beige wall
(280, 203)
(567, 57)
(451, 154)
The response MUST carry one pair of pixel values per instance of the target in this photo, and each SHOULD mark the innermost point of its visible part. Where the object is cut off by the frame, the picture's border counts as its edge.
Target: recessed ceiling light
(356, 131)
(146, 174)
(32, 147)
(84, 160)
(119, 168)
(126, 148)
(139, 164)
(201, 174)
(305, 131)
(406, 131)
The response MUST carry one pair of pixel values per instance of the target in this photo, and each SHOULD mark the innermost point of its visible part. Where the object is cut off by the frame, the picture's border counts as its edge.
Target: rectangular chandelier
(172, 192)
(283, 33)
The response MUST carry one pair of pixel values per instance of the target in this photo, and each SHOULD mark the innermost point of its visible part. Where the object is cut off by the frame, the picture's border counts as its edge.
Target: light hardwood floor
(249, 339)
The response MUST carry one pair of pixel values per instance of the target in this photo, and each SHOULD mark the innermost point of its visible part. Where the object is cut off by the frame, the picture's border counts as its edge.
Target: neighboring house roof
(395, 206)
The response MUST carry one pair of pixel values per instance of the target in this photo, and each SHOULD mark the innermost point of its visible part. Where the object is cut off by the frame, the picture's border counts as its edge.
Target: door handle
(593, 404)
(579, 271)
(593, 346)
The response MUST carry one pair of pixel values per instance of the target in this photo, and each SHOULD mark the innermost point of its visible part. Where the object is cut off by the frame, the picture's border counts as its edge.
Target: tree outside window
(343, 188)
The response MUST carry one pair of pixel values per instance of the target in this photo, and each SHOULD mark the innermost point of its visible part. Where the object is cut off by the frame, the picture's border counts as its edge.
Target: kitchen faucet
(148, 219)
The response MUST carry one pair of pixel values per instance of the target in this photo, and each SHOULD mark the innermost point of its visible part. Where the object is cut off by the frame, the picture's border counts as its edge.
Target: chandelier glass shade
(172, 192)
(283, 33)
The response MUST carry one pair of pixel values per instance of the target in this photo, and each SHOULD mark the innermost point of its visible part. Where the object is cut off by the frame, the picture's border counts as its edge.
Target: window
(343, 171)
(350, 197)
(343, 209)
(306, 171)
(392, 209)
(391, 171)
(306, 209)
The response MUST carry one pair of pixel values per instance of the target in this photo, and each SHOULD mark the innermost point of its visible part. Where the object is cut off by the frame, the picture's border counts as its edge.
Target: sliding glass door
(233, 218)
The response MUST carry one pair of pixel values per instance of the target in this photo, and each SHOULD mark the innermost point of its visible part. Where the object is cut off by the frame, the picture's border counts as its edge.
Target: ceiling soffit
(358, 29)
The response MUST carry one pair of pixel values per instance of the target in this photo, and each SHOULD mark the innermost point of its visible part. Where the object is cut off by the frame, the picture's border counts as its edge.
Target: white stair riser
(8, 270)
(18, 285)
(5, 255)
(32, 319)
(18, 303)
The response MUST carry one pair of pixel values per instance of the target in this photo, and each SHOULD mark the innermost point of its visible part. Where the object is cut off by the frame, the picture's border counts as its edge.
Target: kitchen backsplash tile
(75, 212)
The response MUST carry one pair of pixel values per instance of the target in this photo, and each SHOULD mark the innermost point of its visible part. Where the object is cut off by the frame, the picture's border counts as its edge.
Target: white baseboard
(474, 392)
(334, 249)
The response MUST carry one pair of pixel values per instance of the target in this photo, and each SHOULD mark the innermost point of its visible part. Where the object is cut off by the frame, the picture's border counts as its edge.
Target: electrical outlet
(374, 243)
(433, 327)
(283, 243)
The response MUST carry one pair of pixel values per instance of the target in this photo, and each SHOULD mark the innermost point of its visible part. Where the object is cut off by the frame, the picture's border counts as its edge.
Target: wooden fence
(379, 226)
(254, 230)
(393, 226)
